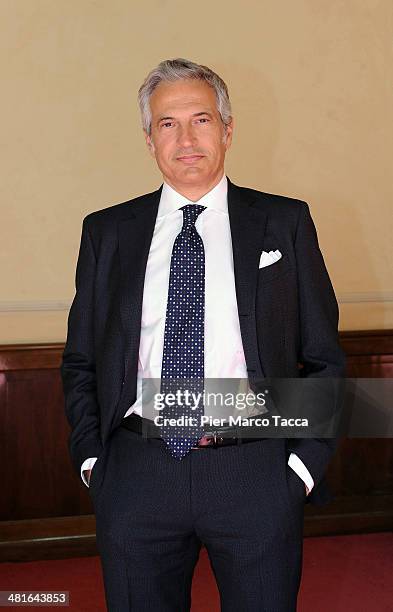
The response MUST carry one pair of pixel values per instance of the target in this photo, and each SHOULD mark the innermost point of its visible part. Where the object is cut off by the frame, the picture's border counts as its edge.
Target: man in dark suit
(199, 279)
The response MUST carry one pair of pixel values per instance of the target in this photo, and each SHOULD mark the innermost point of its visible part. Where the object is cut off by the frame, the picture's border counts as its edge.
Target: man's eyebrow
(202, 113)
(193, 115)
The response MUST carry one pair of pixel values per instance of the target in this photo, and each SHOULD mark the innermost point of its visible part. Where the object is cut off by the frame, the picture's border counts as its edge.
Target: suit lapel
(135, 234)
(248, 224)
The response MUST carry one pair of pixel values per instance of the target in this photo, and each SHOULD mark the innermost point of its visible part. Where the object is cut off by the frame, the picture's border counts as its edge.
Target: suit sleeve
(78, 368)
(320, 351)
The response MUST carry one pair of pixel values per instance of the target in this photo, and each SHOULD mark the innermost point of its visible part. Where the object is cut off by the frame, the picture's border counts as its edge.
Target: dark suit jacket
(288, 313)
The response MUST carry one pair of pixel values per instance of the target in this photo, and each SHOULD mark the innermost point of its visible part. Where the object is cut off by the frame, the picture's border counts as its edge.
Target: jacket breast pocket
(275, 270)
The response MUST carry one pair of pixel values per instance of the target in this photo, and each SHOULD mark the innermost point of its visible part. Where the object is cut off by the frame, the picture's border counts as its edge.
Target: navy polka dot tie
(183, 353)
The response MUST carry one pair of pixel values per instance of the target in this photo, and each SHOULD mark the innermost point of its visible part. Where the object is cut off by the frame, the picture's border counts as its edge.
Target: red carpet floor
(340, 574)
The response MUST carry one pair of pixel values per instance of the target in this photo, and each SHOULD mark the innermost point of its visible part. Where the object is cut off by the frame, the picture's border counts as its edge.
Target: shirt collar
(215, 199)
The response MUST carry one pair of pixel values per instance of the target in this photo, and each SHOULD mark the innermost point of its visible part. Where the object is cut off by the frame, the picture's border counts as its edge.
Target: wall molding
(354, 297)
(35, 305)
(359, 297)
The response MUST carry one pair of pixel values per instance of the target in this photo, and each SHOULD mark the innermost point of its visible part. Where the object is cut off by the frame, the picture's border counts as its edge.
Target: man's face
(187, 134)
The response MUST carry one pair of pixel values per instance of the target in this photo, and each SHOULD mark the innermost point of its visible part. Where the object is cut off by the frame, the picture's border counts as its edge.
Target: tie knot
(191, 213)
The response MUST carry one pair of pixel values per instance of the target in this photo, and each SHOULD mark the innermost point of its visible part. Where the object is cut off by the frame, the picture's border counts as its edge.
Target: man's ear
(228, 133)
(150, 144)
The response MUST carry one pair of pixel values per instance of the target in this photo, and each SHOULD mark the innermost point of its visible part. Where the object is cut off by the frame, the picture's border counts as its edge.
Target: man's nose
(186, 136)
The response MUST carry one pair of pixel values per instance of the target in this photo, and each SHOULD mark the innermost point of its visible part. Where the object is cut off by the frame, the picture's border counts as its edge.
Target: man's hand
(87, 475)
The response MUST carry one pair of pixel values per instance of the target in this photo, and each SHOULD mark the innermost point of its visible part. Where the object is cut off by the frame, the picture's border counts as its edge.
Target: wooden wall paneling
(46, 512)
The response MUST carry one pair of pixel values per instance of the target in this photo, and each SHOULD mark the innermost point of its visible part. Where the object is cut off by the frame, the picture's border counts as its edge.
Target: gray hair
(174, 70)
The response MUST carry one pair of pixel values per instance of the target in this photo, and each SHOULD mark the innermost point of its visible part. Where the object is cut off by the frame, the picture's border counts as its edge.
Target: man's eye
(166, 124)
(203, 119)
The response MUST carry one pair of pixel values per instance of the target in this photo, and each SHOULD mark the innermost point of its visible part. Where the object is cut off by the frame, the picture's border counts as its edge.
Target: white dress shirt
(223, 348)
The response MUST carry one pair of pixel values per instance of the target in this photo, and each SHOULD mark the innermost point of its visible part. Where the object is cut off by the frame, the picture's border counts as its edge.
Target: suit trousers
(153, 513)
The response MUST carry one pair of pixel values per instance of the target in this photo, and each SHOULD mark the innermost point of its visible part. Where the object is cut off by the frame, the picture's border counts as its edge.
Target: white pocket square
(268, 258)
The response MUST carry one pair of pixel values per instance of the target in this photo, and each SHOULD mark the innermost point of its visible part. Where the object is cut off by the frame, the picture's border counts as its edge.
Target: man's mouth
(189, 159)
